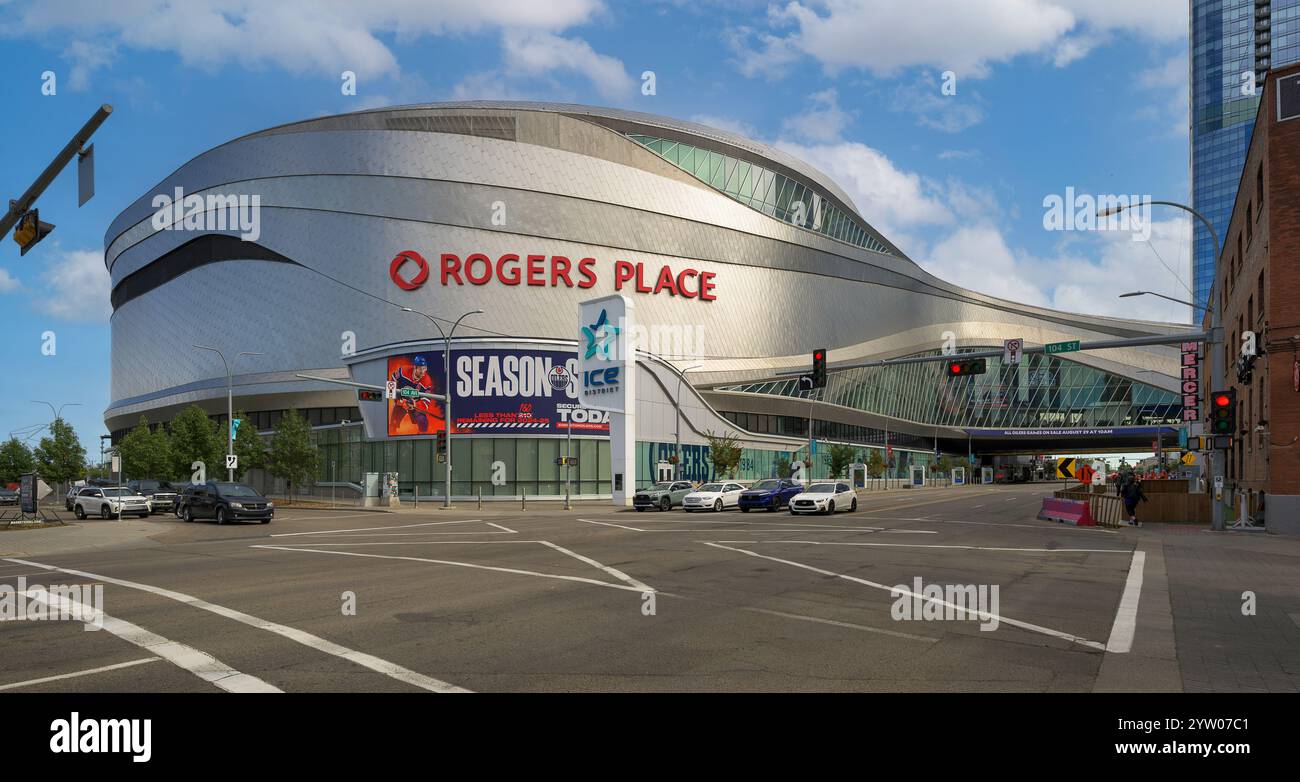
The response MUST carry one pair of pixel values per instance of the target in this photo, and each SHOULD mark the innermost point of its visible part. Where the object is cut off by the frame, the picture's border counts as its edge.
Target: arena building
(308, 243)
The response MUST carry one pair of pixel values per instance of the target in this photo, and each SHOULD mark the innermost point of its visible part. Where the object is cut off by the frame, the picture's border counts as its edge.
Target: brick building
(1257, 288)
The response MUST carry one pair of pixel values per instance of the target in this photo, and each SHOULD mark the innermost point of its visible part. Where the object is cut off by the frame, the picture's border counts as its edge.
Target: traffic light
(30, 231)
(964, 367)
(1223, 412)
(369, 395)
(441, 446)
(819, 368)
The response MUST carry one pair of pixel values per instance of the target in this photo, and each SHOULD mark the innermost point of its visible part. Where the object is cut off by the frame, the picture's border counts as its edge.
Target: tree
(841, 456)
(59, 456)
(724, 453)
(875, 463)
(194, 438)
(248, 447)
(16, 459)
(292, 455)
(146, 453)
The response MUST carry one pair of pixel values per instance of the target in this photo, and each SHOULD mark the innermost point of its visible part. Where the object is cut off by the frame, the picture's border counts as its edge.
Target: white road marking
(615, 572)
(473, 565)
(371, 529)
(392, 670)
(320, 518)
(941, 545)
(612, 524)
(1125, 626)
(75, 674)
(774, 527)
(978, 506)
(201, 664)
(896, 591)
(1045, 527)
(836, 623)
(502, 528)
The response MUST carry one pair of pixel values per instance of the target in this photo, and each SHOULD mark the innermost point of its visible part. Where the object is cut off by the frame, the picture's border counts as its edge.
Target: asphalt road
(588, 600)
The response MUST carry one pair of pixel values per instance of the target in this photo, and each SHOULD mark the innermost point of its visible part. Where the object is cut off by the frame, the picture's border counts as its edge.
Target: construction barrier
(1105, 510)
(1066, 511)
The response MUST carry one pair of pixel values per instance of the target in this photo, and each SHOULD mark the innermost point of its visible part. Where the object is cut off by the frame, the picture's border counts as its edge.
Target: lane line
(941, 545)
(613, 571)
(1044, 527)
(183, 656)
(1125, 626)
(896, 591)
(473, 565)
(612, 524)
(379, 665)
(75, 674)
(502, 528)
(371, 529)
(836, 623)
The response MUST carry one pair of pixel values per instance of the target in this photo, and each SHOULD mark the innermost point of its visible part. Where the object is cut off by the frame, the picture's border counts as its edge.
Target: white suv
(109, 501)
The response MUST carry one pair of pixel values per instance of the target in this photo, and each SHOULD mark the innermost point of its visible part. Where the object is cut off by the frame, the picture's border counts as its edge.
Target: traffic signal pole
(21, 206)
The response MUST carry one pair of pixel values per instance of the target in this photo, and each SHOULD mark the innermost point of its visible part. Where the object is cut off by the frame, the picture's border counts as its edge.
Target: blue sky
(1050, 95)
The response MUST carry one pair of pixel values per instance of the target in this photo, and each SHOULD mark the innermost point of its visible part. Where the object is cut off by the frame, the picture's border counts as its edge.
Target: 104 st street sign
(1061, 347)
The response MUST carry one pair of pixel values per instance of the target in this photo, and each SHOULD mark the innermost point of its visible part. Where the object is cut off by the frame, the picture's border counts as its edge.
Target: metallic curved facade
(340, 196)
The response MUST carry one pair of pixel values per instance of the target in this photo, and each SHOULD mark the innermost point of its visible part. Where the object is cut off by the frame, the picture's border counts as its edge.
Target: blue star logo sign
(600, 336)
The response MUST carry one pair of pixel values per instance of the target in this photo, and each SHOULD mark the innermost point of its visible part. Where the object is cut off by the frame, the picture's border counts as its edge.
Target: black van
(223, 501)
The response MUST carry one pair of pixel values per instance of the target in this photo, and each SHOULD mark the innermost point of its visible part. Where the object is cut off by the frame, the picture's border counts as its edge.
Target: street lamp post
(1212, 345)
(677, 425)
(230, 405)
(446, 380)
(58, 416)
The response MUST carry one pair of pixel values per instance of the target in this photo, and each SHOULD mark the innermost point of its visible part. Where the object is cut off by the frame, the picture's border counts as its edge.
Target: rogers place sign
(409, 270)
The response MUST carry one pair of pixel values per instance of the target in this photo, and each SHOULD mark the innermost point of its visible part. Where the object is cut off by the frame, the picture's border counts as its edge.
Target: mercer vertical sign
(1191, 381)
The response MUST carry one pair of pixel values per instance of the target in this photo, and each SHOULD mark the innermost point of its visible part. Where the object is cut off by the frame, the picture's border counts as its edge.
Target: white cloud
(823, 121)
(890, 198)
(8, 282)
(533, 54)
(77, 287)
(977, 257)
(325, 36)
(885, 37)
(924, 99)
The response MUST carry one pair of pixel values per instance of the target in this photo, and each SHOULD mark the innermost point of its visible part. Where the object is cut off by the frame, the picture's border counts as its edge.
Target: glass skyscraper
(1233, 44)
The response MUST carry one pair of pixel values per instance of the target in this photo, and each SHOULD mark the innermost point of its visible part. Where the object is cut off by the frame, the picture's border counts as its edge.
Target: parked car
(824, 498)
(161, 494)
(662, 495)
(8, 497)
(108, 501)
(713, 496)
(223, 501)
(770, 494)
(71, 496)
(183, 494)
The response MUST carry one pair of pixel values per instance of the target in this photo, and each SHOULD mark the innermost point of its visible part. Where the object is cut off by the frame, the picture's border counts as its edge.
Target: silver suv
(109, 501)
(661, 495)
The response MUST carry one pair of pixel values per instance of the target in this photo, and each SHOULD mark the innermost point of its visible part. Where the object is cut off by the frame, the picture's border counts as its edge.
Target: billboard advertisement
(495, 391)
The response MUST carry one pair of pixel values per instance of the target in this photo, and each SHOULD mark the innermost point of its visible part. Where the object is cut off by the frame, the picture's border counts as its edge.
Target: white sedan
(824, 498)
(713, 496)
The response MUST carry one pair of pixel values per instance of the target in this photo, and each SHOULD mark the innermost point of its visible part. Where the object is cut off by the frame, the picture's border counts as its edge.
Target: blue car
(771, 494)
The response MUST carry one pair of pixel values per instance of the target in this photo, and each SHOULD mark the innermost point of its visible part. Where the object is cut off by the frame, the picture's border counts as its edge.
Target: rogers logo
(399, 261)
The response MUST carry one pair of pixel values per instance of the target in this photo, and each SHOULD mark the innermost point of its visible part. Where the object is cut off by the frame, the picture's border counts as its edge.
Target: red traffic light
(955, 369)
(1222, 400)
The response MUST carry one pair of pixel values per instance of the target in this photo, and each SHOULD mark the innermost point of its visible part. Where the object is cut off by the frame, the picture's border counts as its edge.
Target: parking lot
(597, 599)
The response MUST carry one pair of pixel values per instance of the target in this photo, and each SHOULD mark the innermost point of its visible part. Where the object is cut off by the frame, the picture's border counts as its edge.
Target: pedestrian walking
(1132, 494)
